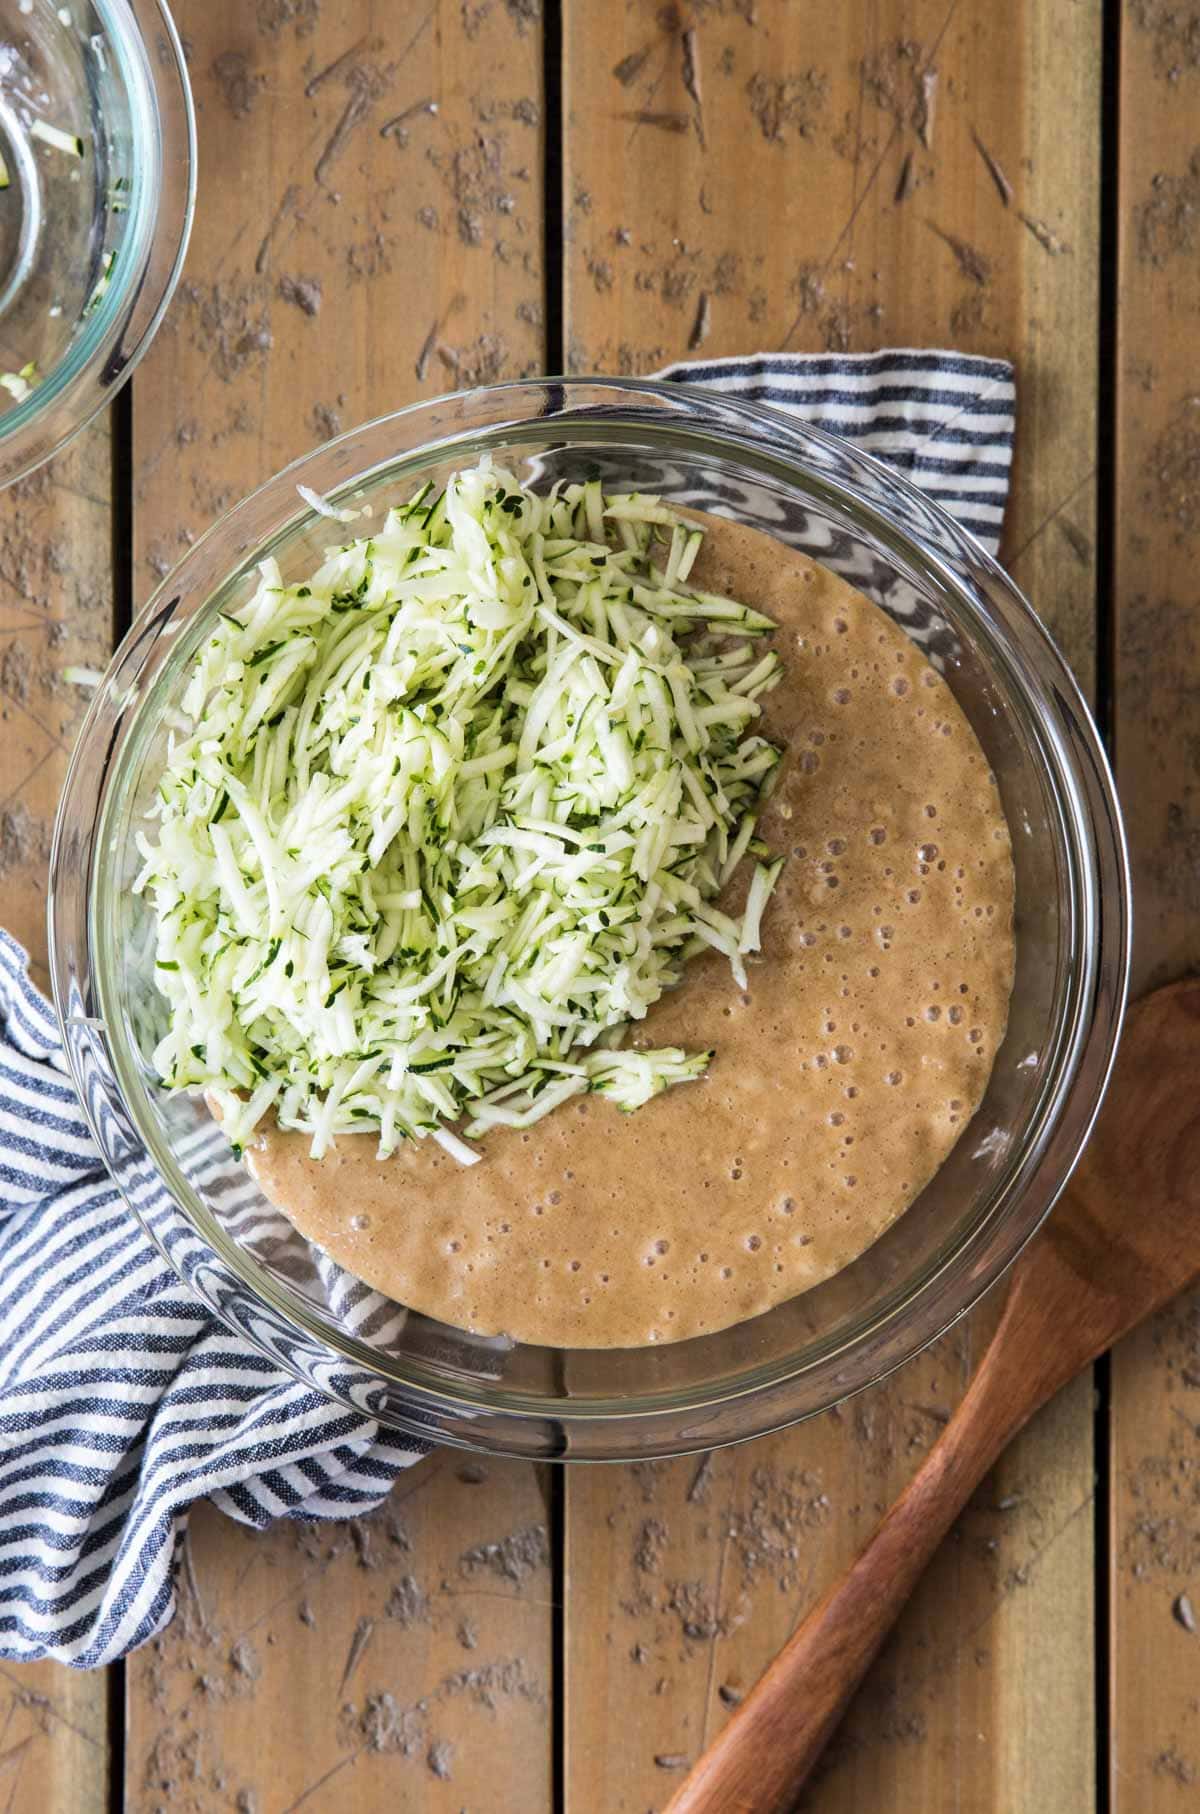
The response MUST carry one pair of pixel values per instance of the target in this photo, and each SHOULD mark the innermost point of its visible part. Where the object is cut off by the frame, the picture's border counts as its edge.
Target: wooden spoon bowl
(1124, 1240)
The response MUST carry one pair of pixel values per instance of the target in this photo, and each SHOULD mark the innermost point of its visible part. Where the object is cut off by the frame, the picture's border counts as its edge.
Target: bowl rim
(457, 1415)
(103, 357)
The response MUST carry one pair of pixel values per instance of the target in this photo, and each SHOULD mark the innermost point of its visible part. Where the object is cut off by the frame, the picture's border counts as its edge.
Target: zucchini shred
(438, 825)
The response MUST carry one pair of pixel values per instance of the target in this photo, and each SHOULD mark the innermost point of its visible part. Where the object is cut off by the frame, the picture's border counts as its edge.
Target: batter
(842, 1078)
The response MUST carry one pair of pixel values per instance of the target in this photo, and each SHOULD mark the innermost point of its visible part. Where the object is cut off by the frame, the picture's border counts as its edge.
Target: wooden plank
(396, 1661)
(817, 177)
(55, 610)
(54, 1739)
(1154, 1560)
(369, 230)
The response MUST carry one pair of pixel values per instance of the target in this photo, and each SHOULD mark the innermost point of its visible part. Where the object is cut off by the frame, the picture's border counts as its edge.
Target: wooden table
(402, 196)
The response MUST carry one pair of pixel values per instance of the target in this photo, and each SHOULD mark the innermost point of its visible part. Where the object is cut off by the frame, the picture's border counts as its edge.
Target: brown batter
(841, 1079)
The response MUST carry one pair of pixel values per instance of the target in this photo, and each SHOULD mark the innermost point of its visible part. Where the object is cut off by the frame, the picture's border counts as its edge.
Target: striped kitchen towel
(944, 420)
(121, 1400)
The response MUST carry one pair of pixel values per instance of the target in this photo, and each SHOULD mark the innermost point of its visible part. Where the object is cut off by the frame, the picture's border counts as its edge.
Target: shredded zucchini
(323, 507)
(56, 138)
(20, 384)
(438, 825)
(100, 287)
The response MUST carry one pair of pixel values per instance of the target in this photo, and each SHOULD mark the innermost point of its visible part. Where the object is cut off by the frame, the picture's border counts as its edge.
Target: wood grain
(55, 611)
(54, 1739)
(369, 230)
(740, 178)
(848, 194)
(1154, 1560)
(397, 1661)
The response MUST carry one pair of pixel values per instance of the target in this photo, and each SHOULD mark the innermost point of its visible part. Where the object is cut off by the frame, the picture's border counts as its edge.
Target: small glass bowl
(848, 511)
(98, 146)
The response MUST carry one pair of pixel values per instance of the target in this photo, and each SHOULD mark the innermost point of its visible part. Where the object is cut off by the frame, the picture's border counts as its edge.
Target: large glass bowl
(98, 149)
(815, 494)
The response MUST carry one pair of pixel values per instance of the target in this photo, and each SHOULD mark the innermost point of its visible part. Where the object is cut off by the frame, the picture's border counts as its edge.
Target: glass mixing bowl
(850, 512)
(98, 148)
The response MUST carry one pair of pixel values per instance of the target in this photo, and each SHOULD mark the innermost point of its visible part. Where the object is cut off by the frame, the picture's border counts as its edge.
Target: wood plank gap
(123, 602)
(554, 352)
(1107, 372)
(1104, 1529)
(115, 1692)
(553, 216)
(123, 607)
(556, 1519)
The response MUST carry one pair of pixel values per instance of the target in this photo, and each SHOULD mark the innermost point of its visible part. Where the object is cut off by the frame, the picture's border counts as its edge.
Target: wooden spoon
(1124, 1240)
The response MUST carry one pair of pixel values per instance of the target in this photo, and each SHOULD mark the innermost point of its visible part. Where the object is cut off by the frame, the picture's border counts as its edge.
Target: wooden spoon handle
(761, 1759)
(1121, 1244)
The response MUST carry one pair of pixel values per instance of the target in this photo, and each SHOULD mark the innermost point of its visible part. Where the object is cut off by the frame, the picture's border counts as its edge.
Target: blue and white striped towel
(944, 420)
(121, 1400)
